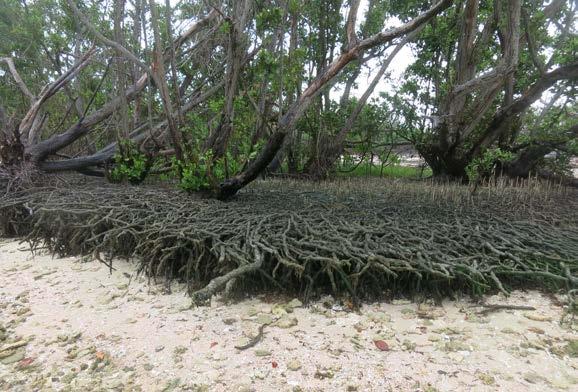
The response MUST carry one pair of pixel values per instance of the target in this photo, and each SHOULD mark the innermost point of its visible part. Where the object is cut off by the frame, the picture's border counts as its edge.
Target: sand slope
(67, 325)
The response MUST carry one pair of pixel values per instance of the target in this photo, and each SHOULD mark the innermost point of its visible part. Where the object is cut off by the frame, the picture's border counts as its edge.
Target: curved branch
(108, 42)
(497, 125)
(40, 151)
(106, 154)
(529, 155)
(390, 34)
(230, 186)
(29, 125)
(17, 78)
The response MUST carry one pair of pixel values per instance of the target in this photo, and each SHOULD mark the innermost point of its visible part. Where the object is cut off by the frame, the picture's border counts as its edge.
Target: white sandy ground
(81, 328)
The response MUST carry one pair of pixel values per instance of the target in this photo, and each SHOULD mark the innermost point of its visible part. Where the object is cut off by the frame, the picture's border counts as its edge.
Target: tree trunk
(122, 112)
(159, 76)
(38, 152)
(452, 161)
(528, 157)
(236, 51)
(457, 139)
(330, 150)
(231, 186)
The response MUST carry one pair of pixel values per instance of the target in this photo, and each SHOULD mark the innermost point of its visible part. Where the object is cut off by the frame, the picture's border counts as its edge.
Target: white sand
(89, 330)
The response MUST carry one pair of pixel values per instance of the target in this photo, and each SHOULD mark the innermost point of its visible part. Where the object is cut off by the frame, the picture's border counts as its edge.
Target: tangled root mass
(358, 238)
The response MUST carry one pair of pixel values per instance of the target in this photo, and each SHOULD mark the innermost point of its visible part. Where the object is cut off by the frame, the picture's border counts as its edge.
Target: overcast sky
(396, 69)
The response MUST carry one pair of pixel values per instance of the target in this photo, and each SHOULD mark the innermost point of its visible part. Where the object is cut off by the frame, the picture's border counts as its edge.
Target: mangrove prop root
(359, 239)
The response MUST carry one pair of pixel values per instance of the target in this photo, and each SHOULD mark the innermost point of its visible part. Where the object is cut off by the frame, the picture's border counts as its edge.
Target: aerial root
(200, 297)
(358, 242)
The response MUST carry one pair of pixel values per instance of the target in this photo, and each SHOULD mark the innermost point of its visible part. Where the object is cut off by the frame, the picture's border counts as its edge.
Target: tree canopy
(216, 93)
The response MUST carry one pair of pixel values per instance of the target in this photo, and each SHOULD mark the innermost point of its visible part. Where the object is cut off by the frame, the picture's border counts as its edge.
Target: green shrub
(129, 164)
(485, 165)
(200, 171)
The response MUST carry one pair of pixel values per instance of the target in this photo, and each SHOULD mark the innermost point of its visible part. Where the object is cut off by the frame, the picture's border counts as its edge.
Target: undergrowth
(387, 171)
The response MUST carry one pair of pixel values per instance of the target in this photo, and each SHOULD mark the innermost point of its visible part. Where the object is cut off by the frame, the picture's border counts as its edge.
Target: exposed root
(201, 297)
(489, 308)
(356, 238)
(253, 342)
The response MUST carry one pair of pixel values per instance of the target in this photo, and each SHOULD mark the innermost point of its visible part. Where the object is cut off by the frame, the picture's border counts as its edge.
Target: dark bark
(499, 123)
(527, 160)
(529, 156)
(29, 126)
(457, 139)
(38, 152)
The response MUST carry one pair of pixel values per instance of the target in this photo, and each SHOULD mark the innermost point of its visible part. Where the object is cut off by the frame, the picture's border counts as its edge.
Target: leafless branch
(17, 78)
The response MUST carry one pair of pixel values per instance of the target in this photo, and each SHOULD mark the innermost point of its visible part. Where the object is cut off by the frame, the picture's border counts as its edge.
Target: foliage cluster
(201, 172)
(130, 164)
(485, 165)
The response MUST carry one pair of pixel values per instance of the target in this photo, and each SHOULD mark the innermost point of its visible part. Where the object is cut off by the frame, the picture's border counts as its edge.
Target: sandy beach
(68, 325)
